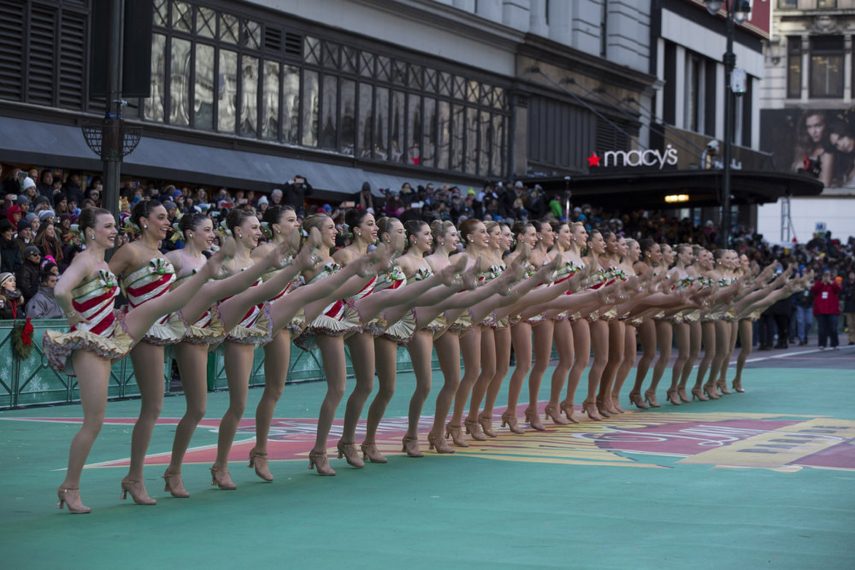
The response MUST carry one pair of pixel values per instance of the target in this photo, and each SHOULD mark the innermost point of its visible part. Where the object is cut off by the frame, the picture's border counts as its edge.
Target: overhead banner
(816, 142)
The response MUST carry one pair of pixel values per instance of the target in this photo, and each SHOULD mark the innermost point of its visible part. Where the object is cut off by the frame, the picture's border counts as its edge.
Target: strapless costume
(102, 330)
(493, 272)
(439, 325)
(153, 280)
(564, 273)
(401, 331)
(255, 327)
(208, 328)
(334, 320)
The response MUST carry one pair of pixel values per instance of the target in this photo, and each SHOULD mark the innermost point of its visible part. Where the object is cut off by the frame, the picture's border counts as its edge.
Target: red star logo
(593, 160)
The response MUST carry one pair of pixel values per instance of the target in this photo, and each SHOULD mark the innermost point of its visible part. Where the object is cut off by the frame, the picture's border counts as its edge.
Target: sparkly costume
(101, 331)
(151, 281)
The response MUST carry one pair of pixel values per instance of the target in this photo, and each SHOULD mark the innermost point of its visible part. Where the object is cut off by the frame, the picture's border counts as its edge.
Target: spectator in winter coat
(849, 305)
(11, 301)
(43, 305)
(10, 255)
(28, 275)
(826, 308)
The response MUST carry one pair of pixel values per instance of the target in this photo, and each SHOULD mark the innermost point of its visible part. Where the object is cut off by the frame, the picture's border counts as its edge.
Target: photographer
(826, 308)
(295, 193)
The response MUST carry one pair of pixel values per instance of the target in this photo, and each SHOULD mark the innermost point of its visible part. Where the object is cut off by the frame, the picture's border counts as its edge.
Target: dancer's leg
(148, 368)
(630, 349)
(664, 341)
(448, 352)
(332, 353)
(616, 348)
(582, 348)
(192, 366)
(488, 370)
(238, 364)
(470, 345)
(682, 332)
(386, 357)
(361, 349)
(277, 358)
(503, 363)
(521, 341)
(647, 336)
(600, 348)
(420, 348)
(746, 334)
(542, 349)
(562, 335)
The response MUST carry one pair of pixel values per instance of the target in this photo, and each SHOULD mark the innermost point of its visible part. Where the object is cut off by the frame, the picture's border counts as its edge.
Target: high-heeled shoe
(173, 485)
(616, 405)
(681, 391)
(258, 459)
(533, 419)
(722, 388)
(551, 412)
(590, 408)
(453, 432)
(636, 400)
(650, 398)
(473, 428)
(486, 423)
(510, 419)
(737, 385)
(709, 390)
(602, 409)
(437, 442)
(222, 479)
(410, 446)
(348, 451)
(137, 491)
(567, 409)
(372, 454)
(673, 397)
(318, 460)
(71, 498)
(698, 394)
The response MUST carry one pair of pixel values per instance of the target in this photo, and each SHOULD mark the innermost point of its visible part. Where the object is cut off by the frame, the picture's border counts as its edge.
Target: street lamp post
(737, 11)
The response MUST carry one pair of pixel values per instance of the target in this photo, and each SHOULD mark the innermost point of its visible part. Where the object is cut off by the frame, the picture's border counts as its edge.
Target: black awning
(647, 190)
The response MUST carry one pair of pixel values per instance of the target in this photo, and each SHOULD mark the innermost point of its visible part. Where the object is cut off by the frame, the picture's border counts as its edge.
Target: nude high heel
(318, 460)
(698, 393)
(173, 485)
(650, 396)
(636, 399)
(673, 397)
(486, 424)
(410, 446)
(473, 428)
(372, 454)
(221, 478)
(258, 460)
(510, 419)
(437, 442)
(551, 412)
(137, 491)
(737, 385)
(590, 408)
(533, 419)
(453, 432)
(348, 451)
(71, 498)
(567, 409)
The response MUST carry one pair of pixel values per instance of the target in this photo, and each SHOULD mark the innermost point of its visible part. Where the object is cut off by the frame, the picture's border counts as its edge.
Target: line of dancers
(592, 296)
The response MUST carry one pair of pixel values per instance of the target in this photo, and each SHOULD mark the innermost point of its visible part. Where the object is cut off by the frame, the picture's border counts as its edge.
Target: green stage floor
(764, 479)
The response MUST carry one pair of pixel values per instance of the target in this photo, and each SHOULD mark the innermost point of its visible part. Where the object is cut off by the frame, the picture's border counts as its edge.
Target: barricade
(32, 382)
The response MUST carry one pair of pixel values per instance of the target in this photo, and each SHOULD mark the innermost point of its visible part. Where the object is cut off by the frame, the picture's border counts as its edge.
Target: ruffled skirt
(58, 347)
(261, 331)
(327, 326)
(212, 333)
(172, 331)
(400, 332)
(462, 324)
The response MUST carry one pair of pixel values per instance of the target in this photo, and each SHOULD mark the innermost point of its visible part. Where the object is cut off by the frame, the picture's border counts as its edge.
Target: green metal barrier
(32, 382)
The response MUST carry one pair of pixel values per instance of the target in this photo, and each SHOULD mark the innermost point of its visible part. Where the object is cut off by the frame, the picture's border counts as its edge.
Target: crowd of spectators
(40, 206)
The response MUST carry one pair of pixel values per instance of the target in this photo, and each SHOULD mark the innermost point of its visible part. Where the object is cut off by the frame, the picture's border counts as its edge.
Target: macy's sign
(634, 158)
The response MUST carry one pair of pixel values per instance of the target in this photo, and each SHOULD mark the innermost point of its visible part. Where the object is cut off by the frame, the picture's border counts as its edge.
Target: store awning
(648, 190)
(49, 144)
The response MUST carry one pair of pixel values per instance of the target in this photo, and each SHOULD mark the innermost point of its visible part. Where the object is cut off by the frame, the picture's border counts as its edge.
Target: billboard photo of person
(813, 154)
(841, 136)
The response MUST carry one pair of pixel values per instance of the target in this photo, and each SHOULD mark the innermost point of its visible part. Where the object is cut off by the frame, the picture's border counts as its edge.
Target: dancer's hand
(215, 266)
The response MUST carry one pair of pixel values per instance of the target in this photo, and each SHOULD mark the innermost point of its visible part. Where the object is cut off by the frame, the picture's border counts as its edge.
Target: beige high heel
(510, 419)
(533, 419)
(438, 443)
(372, 454)
(318, 460)
(258, 460)
(173, 485)
(71, 498)
(567, 409)
(457, 438)
(590, 408)
(221, 478)
(552, 412)
(137, 491)
(473, 428)
(410, 446)
(348, 451)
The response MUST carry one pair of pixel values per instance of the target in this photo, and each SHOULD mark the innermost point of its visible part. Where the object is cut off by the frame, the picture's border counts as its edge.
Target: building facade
(807, 117)
(250, 93)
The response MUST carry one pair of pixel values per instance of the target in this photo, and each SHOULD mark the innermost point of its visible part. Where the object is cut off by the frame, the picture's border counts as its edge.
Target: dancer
(86, 292)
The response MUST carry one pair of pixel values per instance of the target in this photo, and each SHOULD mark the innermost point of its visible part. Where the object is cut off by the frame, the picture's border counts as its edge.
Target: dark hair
(237, 216)
(520, 228)
(646, 244)
(411, 227)
(273, 214)
(88, 218)
(45, 274)
(556, 226)
(467, 227)
(190, 222)
(143, 209)
(354, 217)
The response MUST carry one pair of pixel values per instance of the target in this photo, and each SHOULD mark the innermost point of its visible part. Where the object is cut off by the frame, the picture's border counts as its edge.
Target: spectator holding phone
(826, 308)
(295, 193)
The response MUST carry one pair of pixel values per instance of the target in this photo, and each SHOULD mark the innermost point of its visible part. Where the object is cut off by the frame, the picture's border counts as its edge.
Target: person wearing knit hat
(27, 184)
(4, 277)
(46, 215)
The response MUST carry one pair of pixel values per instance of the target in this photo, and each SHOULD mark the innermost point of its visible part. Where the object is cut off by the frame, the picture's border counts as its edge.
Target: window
(788, 4)
(794, 67)
(826, 4)
(694, 96)
(826, 67)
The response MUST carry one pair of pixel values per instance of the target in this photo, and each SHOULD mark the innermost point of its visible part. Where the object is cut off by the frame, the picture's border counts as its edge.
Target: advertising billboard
(817, 142)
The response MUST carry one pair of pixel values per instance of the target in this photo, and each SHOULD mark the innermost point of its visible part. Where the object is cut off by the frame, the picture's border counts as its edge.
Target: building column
(719, 101)
(561, 22)
(847, 68)
(537, 18)
(516, 14)
(489, 10)
(805, 68)
(519, 135)
(465, 5)
(680, 89)
(660, 75)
